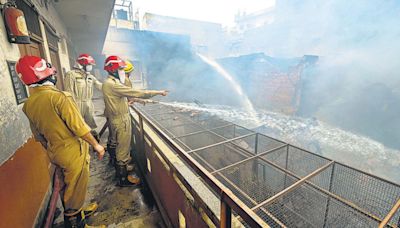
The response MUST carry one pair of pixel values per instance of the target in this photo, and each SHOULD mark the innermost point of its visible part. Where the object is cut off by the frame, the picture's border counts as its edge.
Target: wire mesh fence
(283, 184)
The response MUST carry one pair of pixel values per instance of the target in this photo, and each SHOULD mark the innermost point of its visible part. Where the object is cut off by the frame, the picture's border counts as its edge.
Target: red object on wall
(17, 30)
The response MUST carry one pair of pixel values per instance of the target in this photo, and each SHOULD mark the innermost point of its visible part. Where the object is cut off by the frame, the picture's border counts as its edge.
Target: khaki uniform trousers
(120, 130)
(75, 174)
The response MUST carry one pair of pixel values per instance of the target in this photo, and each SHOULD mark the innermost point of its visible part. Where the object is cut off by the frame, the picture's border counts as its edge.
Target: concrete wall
(14, 127)
(25, 172)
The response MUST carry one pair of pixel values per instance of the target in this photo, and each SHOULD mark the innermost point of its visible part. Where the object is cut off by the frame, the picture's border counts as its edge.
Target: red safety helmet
(114, 63)
(85, 59)
(33, 69)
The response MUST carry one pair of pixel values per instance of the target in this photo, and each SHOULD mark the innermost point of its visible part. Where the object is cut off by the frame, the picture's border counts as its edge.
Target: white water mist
(355, 150)
(248, 106)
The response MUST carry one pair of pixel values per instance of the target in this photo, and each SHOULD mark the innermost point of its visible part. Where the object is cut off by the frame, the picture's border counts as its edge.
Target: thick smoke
(171, 64)
(356, 84)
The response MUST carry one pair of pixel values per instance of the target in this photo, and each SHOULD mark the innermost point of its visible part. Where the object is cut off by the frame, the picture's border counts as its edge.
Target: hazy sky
(220, 11)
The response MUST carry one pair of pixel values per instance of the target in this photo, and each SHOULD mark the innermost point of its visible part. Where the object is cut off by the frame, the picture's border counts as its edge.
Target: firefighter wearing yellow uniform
(128, 82)
(116, 96)
(79, 82)
(111, 141)
(57, 124)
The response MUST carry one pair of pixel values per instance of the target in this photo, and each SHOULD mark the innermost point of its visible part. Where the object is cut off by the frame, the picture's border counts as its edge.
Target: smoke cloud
(356, 84)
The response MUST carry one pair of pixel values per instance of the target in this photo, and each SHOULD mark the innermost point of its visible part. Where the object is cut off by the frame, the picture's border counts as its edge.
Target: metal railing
(267, 182)
(227, 198)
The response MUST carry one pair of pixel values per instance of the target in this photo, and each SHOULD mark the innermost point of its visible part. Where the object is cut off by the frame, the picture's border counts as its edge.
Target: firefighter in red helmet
(116, 95)
(80, 82)
(57, 124)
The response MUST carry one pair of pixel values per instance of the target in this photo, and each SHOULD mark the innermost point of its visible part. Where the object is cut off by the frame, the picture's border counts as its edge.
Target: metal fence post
(329, 198)
(141, 133)
(226, 215)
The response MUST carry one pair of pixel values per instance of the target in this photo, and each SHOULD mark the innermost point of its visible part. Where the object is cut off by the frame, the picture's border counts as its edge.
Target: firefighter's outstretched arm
(126, 91)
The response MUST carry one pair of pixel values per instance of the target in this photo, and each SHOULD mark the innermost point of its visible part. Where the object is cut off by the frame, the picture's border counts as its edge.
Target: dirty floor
(118, 207)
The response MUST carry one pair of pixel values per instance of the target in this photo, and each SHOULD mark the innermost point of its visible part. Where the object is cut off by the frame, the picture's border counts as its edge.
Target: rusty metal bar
(161, 113)
(389, 216)
(220, 143)
(242, 192)
(292, 187)
(235, 203)
(202, 131)
(344, 201)
(209, 130)
(180, 125)
(271, 216)
(347, 203)
(314, 154)
(249, 158)
(166, 118)
(229, 181)
(141, 132)
(255, 175)
(368, 174)
(274, 139)
(286, 167)
(256, 144)
(191, 121)
(226, 214)
(329, 198)
(235, 145)
(180, 141)
(207, 210)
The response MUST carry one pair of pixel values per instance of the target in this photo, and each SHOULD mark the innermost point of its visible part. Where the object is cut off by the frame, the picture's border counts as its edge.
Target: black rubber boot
(111, 152)
(125, 180)
(73, 219)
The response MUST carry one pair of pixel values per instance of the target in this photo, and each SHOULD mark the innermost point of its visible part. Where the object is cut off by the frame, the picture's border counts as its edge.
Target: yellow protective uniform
(117, 111)
(80, 85)
(110, 133)
(128, 82)
(56, 123)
